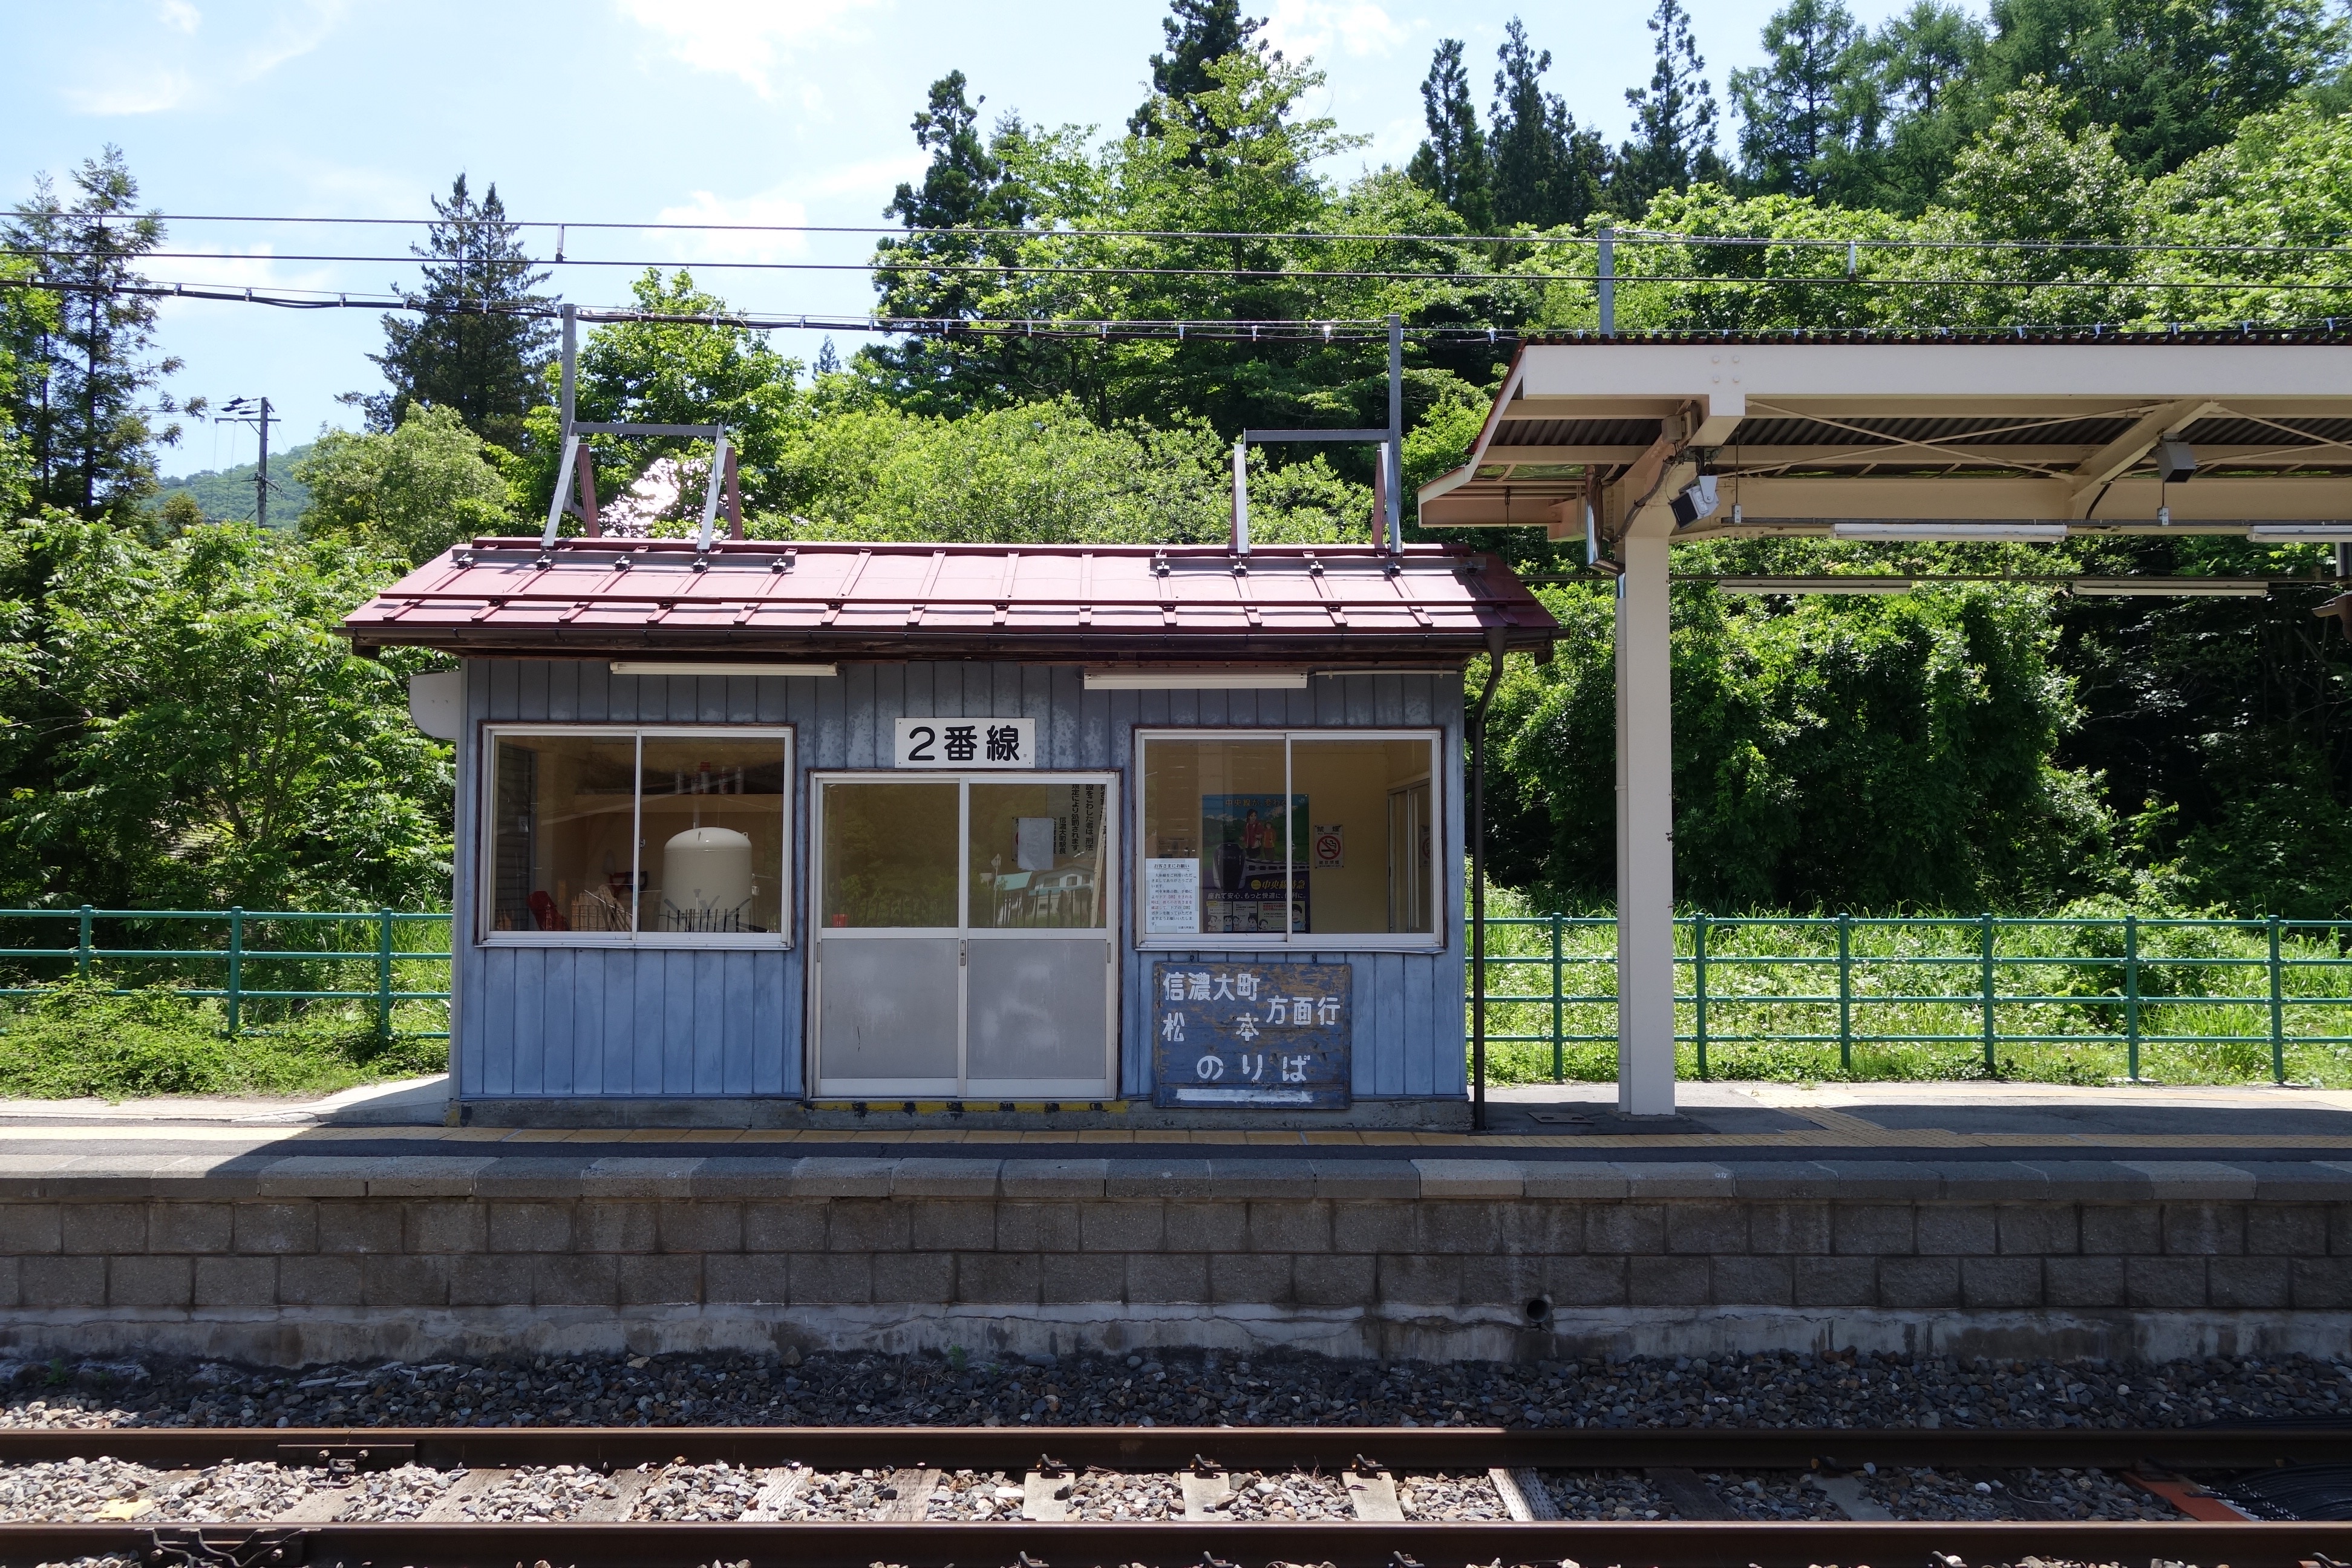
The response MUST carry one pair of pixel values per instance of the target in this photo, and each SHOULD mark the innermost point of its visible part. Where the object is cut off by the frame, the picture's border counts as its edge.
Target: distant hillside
(227, 494)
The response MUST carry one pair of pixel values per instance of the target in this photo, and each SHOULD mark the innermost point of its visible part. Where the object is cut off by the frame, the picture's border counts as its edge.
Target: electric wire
(1332, 330)
(1618, 236)
(1273, 274)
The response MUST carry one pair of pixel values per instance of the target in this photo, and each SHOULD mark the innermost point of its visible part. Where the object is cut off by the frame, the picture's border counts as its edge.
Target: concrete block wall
(307, 1260)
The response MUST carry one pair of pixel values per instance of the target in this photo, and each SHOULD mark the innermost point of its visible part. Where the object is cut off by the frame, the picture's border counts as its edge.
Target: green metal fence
(250, 967)
(1983, 983)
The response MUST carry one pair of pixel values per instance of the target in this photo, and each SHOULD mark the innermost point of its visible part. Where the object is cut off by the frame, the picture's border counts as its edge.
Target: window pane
(1037, 854)
(1365, 853)
(559, 835)
(889, 855)
(1216, 831)
(712, 844)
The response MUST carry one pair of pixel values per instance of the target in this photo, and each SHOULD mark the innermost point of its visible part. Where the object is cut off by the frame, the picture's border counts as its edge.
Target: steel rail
(1173, 1449)
(1172, 1544)
(1027, 1543)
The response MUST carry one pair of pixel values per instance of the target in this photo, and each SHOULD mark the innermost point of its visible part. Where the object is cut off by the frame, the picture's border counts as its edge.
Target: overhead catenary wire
(1281, 275)
(1622, 237)
(1322, 328)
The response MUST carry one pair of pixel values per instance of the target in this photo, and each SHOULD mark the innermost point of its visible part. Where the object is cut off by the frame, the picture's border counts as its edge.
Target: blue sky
(640, 110)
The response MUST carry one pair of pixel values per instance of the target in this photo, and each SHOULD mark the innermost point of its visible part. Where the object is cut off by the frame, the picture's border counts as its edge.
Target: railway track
(1030, 1482)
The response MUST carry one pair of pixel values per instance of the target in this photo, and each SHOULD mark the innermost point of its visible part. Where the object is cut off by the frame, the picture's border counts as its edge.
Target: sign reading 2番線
(966, 743)
(1270, 1035)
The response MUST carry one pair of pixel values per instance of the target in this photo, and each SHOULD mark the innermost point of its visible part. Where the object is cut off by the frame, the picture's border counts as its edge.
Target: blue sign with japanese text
(1278, 1036)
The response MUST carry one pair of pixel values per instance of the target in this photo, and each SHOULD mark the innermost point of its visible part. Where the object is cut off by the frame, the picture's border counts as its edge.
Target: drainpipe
(1478, 880)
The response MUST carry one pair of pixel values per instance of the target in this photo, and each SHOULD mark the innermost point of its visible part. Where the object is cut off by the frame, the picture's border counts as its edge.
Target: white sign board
(966, 743)
(1172, 898)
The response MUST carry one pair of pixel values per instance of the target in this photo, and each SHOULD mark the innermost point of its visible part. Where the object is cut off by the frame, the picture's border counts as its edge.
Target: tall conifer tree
(1674, 118)
(471, 349)
(1450, 164)
(1546, 171)
(1197, 31)
(85, 388)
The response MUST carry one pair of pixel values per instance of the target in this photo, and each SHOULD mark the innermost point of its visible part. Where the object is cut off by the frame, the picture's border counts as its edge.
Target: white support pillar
(1645, 830)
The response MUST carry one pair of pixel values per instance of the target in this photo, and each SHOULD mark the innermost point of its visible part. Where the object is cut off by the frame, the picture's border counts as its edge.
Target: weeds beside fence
(2070, 999)
(266, 968)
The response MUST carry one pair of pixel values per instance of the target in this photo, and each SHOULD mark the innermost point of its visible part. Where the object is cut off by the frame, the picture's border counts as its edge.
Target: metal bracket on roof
(719, 478)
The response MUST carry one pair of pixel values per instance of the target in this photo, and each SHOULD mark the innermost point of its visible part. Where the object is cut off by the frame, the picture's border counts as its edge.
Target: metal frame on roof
(1799, 433)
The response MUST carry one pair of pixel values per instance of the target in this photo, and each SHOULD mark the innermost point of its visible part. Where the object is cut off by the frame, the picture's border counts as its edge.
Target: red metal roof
(1084, 602)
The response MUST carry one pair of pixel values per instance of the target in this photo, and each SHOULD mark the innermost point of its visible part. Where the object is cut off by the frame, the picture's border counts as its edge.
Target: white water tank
(705, 881)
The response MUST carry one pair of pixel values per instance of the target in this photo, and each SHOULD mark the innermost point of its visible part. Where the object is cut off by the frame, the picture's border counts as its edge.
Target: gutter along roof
(1087, 603)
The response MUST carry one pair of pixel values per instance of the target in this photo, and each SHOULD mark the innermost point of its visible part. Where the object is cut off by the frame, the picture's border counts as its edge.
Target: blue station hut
(751, 833)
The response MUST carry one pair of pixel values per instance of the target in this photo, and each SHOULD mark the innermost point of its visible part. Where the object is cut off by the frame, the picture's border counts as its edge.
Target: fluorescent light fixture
(2296, 532)
(1857, 585)
(2169, 587)
(641, 667)
(1950, 532)
(1178, 680)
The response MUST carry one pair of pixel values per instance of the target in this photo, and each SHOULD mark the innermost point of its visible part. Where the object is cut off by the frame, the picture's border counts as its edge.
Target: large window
(1258, 837)
(663, 836)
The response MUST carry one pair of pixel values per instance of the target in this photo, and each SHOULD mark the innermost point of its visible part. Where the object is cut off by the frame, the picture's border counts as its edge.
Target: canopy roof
(1803, 432)
(1096, 602)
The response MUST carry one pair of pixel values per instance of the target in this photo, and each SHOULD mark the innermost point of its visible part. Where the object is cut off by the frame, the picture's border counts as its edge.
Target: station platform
(2134, 1222)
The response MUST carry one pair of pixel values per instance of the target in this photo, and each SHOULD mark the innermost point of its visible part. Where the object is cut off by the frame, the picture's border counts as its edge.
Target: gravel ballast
(1811, 1391)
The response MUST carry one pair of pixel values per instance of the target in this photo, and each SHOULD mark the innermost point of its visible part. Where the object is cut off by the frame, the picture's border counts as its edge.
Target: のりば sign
(966, 743)
(1275, 1036)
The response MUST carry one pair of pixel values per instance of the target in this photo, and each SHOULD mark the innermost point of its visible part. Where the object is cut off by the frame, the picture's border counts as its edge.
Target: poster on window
(1278, 1036)
(1245, 876)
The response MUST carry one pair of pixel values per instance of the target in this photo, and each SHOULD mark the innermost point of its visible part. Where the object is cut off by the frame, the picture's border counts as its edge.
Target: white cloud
(149, 91)
(752, 39)
(178, 68)
(1360, 27)
(704, 206)
(785, 206)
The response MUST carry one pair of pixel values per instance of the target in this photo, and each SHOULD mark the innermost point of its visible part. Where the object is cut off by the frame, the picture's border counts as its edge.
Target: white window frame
(1434, 940)
(962, 1086)
(485, 877)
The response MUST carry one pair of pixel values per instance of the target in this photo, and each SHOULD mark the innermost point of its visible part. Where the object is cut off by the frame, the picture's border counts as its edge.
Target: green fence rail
(1981, 984)
(2260, 986)
(246, 953)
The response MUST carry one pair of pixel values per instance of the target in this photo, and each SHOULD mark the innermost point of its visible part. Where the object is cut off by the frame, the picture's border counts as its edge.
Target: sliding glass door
(963, 937)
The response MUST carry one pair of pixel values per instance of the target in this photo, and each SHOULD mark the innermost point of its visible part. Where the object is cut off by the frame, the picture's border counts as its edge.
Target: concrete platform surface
(1743, 1123)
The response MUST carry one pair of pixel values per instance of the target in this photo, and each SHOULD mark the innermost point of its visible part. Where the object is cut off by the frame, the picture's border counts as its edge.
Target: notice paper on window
(1172, 898)
(1032, 843)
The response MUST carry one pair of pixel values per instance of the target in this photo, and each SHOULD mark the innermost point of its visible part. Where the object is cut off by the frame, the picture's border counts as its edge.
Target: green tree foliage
(467, 349)
(1546, 172)
(1808, 114)
(1878, 752)
(81, 386)
(184, 727)
(2170, 78)
(1451, 164)
(1674, 120)
(1040, 472)
(405, 494)
(1199, 33)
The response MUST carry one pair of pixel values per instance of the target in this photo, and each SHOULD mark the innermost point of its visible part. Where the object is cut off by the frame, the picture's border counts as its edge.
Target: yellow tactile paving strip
(1831, 1130)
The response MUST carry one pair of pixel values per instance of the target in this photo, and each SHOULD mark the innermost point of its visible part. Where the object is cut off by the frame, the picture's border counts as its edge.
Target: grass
(77, 1038)
(1781, 1020)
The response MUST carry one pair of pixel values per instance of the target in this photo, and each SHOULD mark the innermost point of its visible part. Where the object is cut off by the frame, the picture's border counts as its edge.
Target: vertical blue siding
(612, 1022)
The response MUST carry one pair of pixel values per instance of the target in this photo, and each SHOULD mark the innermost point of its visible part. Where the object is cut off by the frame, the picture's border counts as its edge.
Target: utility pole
(256, 412)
